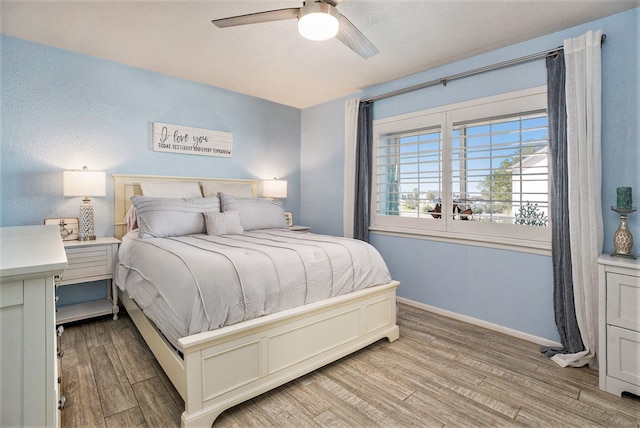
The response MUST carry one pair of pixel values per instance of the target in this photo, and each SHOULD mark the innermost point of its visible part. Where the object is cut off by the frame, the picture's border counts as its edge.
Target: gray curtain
(364, 147)
(564, 306)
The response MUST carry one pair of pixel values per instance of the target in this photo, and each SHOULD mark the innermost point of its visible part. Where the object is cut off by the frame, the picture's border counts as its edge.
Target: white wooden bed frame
(225, 367)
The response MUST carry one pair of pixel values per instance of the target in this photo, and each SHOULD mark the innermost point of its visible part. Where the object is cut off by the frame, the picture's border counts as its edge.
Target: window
(409, 172)
(476, 170)
(499, 169)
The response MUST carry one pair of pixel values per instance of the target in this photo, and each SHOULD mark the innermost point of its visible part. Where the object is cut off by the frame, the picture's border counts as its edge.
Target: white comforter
(194, 283)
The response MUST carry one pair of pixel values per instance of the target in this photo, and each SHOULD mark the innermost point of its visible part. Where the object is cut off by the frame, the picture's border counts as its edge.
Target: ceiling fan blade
(256, 18)
(354, 39)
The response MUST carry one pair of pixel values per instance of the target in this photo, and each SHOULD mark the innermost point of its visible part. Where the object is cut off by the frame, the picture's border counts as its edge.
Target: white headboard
(127, 185)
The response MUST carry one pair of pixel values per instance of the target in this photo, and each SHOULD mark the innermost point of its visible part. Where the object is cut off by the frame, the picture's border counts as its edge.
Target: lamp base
(623, 240)
(85, 222)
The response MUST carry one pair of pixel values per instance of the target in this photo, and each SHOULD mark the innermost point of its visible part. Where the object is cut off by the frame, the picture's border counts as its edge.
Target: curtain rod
(444, 80)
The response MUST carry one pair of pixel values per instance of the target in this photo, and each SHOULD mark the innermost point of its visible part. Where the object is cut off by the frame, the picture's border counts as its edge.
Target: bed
(216, 369)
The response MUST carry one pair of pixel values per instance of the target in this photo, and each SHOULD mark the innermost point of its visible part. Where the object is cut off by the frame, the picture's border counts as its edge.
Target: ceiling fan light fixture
(318, 21)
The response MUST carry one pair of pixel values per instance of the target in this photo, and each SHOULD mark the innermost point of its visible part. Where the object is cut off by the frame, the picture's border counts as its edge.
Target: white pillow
(226, 223)
(171, 189)
(241, 190)
(164, 217)
(255, 213)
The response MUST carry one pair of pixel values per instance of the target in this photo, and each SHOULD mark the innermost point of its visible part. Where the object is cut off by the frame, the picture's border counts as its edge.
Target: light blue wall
(322, 160)
(507, 288)
(62, 110)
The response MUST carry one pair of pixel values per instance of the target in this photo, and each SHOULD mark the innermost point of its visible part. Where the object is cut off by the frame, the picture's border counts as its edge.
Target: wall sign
(192, 141)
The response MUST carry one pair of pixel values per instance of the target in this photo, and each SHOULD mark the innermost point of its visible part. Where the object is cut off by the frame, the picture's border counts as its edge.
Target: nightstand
(89, 261)
(619, 323)
(302, 229)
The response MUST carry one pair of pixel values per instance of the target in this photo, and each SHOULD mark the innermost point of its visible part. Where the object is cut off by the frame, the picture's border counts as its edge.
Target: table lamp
(275, 189)
(84, 183)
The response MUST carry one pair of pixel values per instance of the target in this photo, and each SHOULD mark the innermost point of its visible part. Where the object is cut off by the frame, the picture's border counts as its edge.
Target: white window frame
(422, 121)
(535, 239)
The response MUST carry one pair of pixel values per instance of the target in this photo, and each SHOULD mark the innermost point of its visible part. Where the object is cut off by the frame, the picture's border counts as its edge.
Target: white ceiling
(271, 60)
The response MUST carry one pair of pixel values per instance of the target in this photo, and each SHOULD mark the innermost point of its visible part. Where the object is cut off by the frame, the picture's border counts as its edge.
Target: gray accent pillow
(164, 217)
(226, 223)
(255, 213)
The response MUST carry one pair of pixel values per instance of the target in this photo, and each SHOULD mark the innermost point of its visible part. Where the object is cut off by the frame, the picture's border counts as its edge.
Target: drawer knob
(62, 402)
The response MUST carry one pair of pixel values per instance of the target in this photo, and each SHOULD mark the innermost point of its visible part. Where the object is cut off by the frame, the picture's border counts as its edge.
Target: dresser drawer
(623, 301)
(88, 262)
(623, 359)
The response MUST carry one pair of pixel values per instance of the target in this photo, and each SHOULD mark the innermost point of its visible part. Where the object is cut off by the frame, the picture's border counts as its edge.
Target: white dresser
(619, 357)
(30, 257)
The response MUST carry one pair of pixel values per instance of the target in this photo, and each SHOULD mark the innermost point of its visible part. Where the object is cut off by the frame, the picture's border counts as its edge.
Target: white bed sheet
(195, 283)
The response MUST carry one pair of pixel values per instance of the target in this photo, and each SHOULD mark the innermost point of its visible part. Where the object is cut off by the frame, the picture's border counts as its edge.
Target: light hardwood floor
(441, 372)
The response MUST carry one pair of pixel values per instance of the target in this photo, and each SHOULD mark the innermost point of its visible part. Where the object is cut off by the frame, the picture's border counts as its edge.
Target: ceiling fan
(317, 20)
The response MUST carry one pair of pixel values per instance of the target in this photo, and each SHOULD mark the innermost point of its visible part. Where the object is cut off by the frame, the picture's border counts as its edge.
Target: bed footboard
(233, 364)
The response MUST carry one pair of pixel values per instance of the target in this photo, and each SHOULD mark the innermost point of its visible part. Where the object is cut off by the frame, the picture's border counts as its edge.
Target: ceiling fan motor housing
(318, 21)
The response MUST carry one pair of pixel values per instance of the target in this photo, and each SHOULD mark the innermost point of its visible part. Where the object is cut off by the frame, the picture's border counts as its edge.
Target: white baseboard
(495, 327)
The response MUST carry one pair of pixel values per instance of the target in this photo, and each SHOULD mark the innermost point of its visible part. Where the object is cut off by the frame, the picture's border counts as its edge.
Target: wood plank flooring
(441, 372)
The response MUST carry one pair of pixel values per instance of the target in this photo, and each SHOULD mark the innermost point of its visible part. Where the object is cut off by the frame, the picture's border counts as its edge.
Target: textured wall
(62, 110)
(502, 287)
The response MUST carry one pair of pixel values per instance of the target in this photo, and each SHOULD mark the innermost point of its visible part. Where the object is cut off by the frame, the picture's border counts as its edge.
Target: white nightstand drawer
(87, 262)
(623, 301)
(624, 354)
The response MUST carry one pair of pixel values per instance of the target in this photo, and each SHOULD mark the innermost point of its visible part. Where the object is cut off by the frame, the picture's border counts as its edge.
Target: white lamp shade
(318, 21)
(274, 188)
(84, 183)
